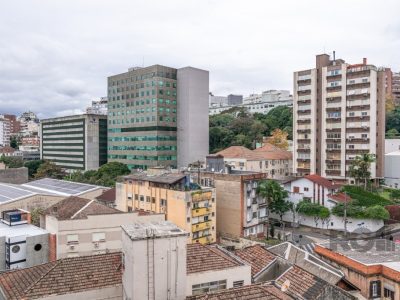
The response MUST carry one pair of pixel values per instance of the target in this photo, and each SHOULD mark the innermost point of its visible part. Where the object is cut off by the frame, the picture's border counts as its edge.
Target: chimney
(364, 61)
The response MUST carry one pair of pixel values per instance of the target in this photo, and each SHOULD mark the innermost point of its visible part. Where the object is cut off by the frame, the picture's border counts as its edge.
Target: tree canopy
(33, 166)
(360, 168)
(106, 175)
(49, 169)
(238, 127)
(12, 161)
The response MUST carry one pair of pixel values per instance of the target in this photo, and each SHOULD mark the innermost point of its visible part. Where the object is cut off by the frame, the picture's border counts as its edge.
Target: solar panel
(8, 192)
(61, 186)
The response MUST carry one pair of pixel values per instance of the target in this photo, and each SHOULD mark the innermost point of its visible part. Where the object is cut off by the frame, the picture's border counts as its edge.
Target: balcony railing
(201, 226)
(201, 211)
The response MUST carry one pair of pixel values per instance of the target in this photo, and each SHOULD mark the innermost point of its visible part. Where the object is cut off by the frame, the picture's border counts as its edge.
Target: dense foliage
(49, 169)
(33, 166)
(310, 209)
(393, 122)
(376, 212)
(106, 175)
(275, 195)
(364, 198)
(360, 168)
(12, 161)
(238, 127)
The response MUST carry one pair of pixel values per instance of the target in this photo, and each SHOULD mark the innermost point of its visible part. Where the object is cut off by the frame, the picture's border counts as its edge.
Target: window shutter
(379, 288)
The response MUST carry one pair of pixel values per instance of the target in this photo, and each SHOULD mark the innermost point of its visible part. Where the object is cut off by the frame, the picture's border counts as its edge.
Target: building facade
(76, 142)
(338, 113)
(188, 206)
(396, 87)
(152, 111)
(4, 131)
(99, 107)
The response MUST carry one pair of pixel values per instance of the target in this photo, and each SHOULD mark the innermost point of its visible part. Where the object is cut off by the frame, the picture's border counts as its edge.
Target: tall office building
(76, 142)
(158, 116)
(339, 113)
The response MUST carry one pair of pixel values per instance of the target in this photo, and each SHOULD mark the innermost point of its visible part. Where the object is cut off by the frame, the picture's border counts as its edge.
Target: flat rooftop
(368, 252)
(142, 231)
(19, 230)
(168, 178)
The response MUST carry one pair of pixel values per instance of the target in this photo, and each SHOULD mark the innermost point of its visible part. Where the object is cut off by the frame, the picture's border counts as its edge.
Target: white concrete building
(81, 226)
(99, 107)
(4, 132)
(192, 111)
(154, 261)
(392, 145)
(392, 169)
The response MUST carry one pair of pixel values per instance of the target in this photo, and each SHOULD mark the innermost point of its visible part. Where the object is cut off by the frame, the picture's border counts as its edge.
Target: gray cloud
(55, 56)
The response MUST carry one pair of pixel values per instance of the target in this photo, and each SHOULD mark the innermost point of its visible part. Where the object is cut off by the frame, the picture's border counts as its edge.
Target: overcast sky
(55, 56)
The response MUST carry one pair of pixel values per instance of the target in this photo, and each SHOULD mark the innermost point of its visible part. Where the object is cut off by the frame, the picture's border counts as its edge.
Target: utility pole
(345, 214)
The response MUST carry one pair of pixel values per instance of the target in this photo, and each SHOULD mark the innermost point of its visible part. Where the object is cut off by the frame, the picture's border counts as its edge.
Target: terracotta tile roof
(268, 153)
(203, 258)
(322, 181)
(65, 276)
(78, 208)
(257, 257)
(248, 292)
(268, 147)
(7, 149)
(302, 283)
(107, 196)
(340, 197)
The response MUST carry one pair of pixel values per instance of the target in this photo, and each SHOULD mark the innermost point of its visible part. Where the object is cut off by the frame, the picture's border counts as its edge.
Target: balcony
(207, 239)
(333, 140)
(199, 196)
(333, 172)
(307, 141)
(303, 130)
(201, 226)
(333, 119)
(201, 211)
(357, 129)
(333, 150)
(357, 151)
(304, 121)
(358, 118)
(303, 170)
(333, 160)
(305, 150)
(304, 111)
(357, 140)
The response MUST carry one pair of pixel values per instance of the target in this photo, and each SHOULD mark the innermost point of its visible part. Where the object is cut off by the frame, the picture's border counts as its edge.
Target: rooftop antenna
(334, 55)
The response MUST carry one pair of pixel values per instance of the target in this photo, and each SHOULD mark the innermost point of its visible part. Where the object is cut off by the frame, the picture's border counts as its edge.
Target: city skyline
(56, 61)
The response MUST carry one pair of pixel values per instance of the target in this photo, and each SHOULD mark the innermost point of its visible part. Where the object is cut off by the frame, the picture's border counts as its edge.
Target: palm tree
(360, 168)
(272, 192)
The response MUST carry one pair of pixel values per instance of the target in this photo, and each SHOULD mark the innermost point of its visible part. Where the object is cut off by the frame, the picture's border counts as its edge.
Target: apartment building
(4, 131)
(158, 116)
(339, 113)
(76, 142)
(98, 107)
(79, 226)
(187, 205)
(396, 87)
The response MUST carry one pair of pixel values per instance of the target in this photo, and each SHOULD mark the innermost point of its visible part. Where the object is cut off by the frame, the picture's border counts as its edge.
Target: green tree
(12, 161)
(360, 168)
(392, 133)
(280, 207)
(275, 196)
(376, 212)
(14, 142)
(35, 215)
(393, 119)
(318, 212)
(49, 169)
(33, 166)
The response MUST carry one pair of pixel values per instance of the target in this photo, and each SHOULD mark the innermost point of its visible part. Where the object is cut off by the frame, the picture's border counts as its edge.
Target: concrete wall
(15, 176)
(230, 275)
(37, 257)
(192, 109)
(162, 271)
(29, 203)
(109, 224)
(392, 169)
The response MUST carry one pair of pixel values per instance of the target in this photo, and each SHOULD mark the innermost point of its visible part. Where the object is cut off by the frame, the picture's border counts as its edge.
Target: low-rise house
(22, 244)
(94, 277)
(371, 265)
(187, 205)
(211, 268)
(322, 191)
(269, 159)
(108, 197)
(81, 226)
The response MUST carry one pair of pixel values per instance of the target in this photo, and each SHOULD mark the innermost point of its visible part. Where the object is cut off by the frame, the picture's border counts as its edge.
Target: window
(153, 200)
(72, 239)
(306, 189)
(141, 198)
(238, 283)
(208, 287)
(38, 247)
(163, 202)
(388, 294)
(99, 237)
(147, 198)
(375, 289)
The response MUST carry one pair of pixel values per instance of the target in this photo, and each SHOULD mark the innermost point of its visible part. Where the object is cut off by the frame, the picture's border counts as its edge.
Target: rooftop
(138, 231)
(61, 187)
(267, 152)
(64, 276)
(168, 178)
(265, 291)
(108, 196)
(21, 229)
(368, 252)
(257, 257)
(319, 180)
(78, 208)
(204, 258)
(339, 197)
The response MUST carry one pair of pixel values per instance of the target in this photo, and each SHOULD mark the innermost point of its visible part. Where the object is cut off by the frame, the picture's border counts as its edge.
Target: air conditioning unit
(72, 247)
(96, 245)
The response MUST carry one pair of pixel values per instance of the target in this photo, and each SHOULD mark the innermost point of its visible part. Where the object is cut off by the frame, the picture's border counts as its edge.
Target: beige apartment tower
(338, 113)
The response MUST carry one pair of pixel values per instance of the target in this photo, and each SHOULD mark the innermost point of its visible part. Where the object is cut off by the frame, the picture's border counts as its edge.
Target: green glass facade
(142, 116)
